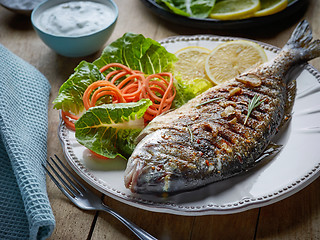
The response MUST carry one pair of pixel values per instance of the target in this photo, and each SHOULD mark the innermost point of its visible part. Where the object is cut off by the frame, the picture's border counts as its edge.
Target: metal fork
(83, 198)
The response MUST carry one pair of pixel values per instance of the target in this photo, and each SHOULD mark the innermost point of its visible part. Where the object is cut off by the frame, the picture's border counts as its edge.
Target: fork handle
(139, 232)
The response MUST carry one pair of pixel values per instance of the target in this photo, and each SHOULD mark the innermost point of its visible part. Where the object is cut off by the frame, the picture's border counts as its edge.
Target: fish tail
(302, 41)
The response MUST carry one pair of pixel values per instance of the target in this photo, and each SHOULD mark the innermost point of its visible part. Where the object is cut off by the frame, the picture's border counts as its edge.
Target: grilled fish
(213, 137)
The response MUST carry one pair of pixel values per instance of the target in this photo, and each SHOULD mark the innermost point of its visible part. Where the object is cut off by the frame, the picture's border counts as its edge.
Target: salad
(109, 101)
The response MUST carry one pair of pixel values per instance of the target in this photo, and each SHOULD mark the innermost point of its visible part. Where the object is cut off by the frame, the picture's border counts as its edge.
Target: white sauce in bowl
(76, 18)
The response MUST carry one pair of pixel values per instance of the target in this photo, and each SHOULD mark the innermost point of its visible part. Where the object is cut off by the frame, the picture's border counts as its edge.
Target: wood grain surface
(296, 217)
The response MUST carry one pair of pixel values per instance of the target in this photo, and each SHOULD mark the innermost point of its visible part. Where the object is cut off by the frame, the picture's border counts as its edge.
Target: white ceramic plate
(297, 164)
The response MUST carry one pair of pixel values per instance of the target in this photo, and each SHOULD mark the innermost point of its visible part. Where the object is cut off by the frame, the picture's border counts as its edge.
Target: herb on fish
(255, 102)
(209, 101)
(191, 134)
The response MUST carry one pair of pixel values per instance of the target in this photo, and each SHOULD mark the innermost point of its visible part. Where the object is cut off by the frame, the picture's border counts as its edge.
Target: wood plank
(297, 217)
(160, 225)
(231, 226)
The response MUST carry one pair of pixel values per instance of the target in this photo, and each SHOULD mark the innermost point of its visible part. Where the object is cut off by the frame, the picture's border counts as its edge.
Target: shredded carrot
(98, 155)
(133, 86)
(67, 117)
(156, 85)
(105, 88)
(113, 65)
(115, 72)
(117, 76)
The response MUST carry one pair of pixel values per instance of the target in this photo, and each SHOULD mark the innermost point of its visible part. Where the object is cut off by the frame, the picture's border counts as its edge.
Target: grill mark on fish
(225, 137)
(260, 92)
(267, 83)
(220, 142)
(230, 136)
(242, 130)
(246, 97)
(262, 110)
(164, 150)
(258, 114)
(239, 130)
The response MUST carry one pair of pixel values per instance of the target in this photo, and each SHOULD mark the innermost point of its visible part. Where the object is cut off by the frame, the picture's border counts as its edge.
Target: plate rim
(209, 209)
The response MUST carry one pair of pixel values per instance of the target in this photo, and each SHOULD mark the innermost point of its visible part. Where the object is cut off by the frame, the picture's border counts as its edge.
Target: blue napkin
(25, 211)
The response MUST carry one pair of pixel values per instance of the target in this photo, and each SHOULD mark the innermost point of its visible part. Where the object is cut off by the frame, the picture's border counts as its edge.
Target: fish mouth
(132, 173)
(139, 178)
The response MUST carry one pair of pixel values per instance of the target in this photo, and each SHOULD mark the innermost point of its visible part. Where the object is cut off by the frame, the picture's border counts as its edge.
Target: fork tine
(56, 182)
(60, 178)
(71, 175)
(72, 183)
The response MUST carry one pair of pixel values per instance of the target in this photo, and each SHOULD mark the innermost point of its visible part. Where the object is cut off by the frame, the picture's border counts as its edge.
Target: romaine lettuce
(132, 50)
(138, 53)
(110, 129)
(70, 93)
(188, 89)
(189, 8)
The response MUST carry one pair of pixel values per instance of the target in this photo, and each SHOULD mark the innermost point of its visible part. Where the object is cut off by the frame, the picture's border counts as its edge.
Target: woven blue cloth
(25, 211)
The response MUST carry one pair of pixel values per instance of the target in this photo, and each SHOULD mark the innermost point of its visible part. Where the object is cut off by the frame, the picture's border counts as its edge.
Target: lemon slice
(269, 7)
(191, 63)
(230, 59)
(234, 9)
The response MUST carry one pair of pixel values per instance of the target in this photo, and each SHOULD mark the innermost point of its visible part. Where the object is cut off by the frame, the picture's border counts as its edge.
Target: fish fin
(286, 120)
(302, 41)
(271, 150)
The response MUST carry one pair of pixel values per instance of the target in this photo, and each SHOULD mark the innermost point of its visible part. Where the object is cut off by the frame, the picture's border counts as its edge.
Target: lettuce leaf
(110, 129)
(189, 8)
(138, 53)
(188, 89)
(70, 93)
(132, 50)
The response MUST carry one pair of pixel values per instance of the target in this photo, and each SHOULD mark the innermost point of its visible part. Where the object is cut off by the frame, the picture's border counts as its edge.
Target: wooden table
(297, 217)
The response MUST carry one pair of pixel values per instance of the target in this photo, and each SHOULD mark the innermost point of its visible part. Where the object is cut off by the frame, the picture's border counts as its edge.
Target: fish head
(152, 167)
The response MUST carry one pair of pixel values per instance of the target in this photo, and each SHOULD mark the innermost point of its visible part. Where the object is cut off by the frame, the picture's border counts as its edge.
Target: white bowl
(74, 46)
